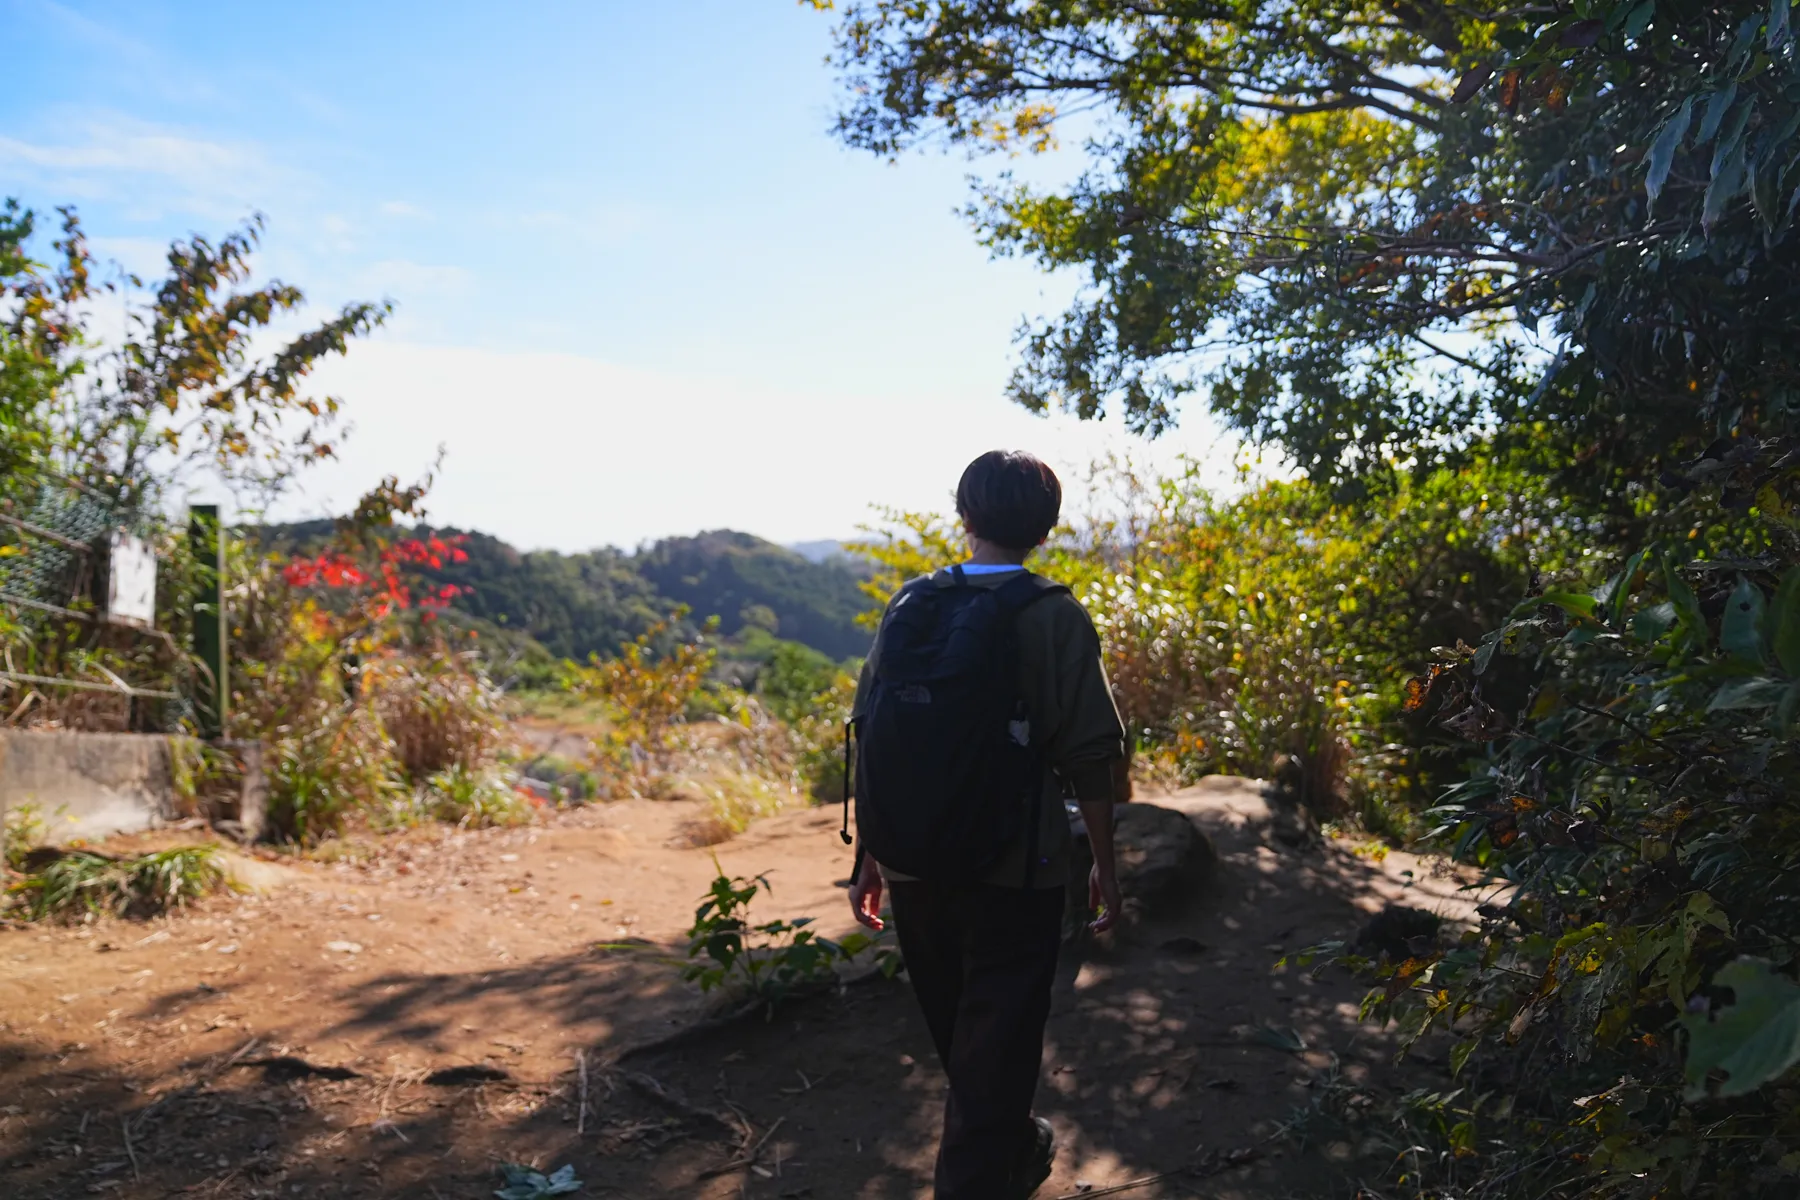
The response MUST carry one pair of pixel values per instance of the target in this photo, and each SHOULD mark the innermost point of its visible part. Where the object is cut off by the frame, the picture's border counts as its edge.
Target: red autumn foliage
(392, 590)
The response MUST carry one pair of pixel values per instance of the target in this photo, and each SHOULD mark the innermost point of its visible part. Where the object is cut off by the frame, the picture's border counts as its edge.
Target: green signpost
(212, 696)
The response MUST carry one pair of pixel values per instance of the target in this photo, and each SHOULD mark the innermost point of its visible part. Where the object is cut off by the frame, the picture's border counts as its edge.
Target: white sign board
(131, 582)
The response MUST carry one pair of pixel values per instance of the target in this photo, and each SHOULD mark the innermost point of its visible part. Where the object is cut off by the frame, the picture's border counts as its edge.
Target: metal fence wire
(61, 533)
(53, 550)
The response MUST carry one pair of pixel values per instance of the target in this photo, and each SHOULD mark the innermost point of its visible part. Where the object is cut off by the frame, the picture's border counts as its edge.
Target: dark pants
(981, 959)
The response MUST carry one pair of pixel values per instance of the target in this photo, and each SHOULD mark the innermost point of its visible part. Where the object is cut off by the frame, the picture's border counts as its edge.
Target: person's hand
(865, 895)
(1104, 900)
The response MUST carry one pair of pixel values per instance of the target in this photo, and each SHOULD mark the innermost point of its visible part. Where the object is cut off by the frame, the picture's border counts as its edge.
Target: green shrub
(767, 961)
(1272, 634)
(475, 798)
(1633, 798)
(24, 831)
(328, 771)
(73, 883)
(570, 781)
(791, 679)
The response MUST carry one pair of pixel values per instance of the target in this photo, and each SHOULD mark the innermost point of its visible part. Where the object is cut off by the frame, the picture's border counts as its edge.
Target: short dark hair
(1010, 498)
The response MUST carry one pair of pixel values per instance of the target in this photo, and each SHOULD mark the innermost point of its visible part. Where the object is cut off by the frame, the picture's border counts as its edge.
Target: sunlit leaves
(185, 386)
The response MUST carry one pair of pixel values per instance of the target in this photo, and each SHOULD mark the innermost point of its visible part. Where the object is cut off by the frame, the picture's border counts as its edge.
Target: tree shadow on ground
(1174, 1047)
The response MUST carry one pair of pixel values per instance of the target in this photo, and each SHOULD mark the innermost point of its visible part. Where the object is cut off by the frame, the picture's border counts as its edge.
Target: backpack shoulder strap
(911, 588)
(1025, 589)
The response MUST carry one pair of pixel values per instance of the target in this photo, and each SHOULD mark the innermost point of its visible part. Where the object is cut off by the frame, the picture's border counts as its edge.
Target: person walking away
(983, 703)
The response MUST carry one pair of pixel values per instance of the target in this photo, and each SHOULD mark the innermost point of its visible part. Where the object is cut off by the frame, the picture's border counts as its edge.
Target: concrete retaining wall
(88, 785)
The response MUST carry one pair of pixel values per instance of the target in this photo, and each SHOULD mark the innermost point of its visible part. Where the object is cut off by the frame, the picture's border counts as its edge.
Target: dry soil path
(398, 1024)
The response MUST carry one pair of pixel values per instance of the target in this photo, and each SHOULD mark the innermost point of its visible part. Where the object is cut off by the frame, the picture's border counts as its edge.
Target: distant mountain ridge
(573, 605)
(822, 550)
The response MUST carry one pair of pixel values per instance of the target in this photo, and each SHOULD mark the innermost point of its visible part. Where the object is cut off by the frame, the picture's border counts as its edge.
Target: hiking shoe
(1034, 1165)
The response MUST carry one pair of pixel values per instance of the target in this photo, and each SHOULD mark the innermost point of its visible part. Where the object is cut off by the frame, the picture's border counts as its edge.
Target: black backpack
(947, 773)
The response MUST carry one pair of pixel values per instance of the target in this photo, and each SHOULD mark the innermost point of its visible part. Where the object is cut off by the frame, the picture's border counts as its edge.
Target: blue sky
(641, 290)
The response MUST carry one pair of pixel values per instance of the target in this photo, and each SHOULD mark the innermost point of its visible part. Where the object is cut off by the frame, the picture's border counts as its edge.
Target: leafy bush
(791, 677)
(1635, 800)
(767, 961)
(646, 694)
(1273, 634)
(328, 770)
(23, 831)
(475, 798)
(74, 883)
(818, 733)
(345, 674)
(570, 782)
(438, 710)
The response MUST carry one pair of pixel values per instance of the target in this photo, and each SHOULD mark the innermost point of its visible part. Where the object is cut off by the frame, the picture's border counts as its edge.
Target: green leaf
(1279, 1037)
(1748, 28)
(1784, 623)
(1459, 1055)
(1639, 19)
(1763, 200)
(1576, 604)
(1651, 623)
(1748, 693)
(1617, 590)
(1741, 626)
(1779, 33)
(1687, 605)
(1716, 107)
(1662, 151)
(1728, 177)
(1485, 654)
(1788, 708)
(1753, 1040)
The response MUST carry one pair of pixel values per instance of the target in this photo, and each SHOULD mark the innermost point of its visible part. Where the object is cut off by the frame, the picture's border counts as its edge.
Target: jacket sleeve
(1087, 737)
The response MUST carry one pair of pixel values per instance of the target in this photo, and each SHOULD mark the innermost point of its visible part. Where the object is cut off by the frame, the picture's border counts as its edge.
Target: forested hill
(577, 604)
(732, 574)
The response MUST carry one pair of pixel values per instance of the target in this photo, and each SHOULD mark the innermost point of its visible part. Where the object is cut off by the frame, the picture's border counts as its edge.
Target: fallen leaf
(1279, 1038)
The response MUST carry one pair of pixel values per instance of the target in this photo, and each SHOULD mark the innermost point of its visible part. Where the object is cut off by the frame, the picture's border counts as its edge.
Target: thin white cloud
(401, 208)
(152, 169)
(399, 277)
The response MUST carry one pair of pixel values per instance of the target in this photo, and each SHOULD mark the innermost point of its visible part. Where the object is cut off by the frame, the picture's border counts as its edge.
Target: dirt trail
(398, 1025)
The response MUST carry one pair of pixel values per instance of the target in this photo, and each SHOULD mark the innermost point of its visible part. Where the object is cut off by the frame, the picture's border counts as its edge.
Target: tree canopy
(1365, 230)
(184, 386)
